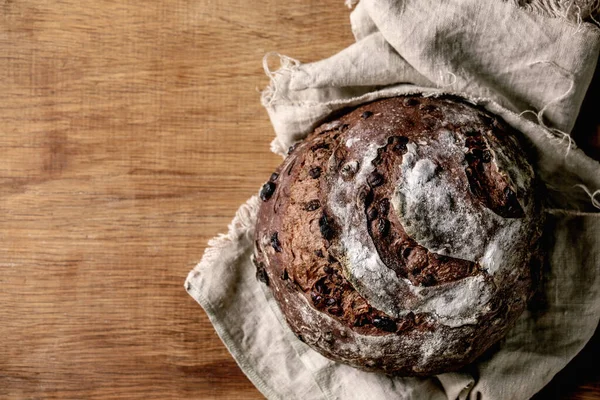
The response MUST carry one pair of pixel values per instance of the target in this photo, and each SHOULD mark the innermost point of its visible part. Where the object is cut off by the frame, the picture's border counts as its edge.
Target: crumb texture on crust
(399, 236)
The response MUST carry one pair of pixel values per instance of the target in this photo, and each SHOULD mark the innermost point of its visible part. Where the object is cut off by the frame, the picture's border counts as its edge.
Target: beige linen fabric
(530, 69)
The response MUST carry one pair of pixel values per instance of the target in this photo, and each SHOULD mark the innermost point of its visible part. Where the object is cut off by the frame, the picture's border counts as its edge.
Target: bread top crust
(399, 237)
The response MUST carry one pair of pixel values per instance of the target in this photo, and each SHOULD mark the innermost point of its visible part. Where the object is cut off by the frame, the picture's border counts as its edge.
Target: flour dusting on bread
(399, 236)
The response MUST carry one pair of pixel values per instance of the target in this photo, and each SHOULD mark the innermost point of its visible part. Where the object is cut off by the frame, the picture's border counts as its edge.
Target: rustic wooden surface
(130, 133)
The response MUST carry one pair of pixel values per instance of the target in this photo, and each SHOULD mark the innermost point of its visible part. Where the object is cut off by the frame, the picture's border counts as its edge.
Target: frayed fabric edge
(592, 196)
(241, 226)
(575, 11)
(286, 64)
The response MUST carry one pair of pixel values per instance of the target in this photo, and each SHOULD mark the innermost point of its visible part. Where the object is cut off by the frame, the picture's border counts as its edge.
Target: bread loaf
(399, 237)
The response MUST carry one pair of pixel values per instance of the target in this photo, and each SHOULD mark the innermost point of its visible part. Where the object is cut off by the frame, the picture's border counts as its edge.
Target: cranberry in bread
(400, 236)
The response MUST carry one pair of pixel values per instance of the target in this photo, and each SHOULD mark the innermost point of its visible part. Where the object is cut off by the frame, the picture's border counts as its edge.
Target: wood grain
(131, 132)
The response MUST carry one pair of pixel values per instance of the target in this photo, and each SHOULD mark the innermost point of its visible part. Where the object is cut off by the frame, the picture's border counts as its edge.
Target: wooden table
(130, 133)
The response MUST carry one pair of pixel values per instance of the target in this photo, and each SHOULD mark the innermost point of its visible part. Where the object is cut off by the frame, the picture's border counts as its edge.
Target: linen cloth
(527, 67)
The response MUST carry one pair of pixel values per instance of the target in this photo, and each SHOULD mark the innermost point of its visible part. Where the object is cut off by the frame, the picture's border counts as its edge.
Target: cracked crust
(398, 237)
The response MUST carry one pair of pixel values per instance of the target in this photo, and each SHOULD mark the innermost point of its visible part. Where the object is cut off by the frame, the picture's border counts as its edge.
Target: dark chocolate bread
(400, 236)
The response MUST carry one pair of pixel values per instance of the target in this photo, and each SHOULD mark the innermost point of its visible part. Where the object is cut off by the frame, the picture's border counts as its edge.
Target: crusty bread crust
(399, 237)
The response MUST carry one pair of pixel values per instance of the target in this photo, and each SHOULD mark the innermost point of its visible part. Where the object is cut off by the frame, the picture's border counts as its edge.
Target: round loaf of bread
(400, 236)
